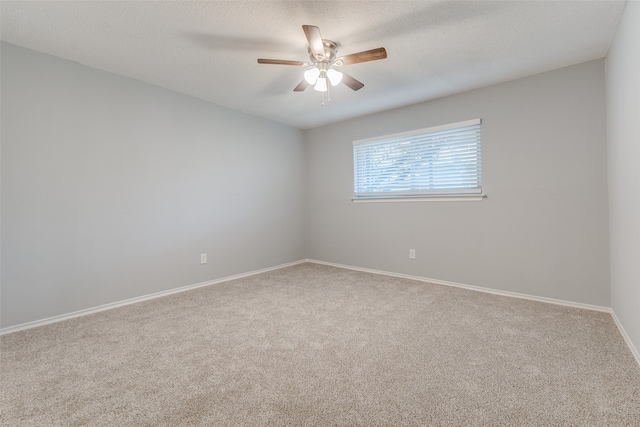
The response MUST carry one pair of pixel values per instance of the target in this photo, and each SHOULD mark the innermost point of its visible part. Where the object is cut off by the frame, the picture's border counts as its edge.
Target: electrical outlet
(203, 258)
(412, 253)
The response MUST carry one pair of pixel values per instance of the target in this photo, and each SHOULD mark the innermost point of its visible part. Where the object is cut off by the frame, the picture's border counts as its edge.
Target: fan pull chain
(328, 93)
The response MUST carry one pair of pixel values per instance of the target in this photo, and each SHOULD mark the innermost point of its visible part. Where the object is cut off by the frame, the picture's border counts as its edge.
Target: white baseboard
(633, 348)
(109, 306)
(470, 287)
(634, 351)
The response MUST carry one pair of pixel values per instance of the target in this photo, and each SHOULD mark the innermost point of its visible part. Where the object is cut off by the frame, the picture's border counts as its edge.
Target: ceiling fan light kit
(321, 84)
(335, 77)
(311, 75)
(323, 55)
(318, 76)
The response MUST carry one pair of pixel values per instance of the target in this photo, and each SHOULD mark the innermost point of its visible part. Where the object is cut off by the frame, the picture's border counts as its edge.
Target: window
(436, 163)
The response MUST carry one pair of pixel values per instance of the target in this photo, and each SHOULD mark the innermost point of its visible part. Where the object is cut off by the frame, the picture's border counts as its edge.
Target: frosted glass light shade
(335, 77)
(311, 75)
(321, 84)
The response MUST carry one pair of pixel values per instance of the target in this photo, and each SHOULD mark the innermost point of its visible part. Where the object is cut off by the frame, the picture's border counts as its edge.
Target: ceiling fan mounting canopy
(324, 55)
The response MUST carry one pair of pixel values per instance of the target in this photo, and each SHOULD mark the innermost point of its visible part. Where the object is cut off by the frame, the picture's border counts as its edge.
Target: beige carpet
(316, 345)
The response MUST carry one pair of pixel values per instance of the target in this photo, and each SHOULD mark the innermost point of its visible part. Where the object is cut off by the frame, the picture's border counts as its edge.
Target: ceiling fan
(323, 55)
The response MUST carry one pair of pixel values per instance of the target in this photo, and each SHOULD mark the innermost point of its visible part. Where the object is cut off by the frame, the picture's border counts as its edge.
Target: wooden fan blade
(351, 82)
(281, 62)
(315, 40)
(302, 86)
(367, 55)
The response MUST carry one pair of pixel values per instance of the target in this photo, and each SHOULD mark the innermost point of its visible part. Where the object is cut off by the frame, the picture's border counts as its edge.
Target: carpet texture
(316, 345)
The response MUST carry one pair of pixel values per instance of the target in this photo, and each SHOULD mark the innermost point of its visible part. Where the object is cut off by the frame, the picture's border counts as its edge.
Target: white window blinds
(441, 160)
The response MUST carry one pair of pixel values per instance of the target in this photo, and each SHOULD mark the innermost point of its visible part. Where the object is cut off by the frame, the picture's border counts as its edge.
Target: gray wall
(111, 189)
(543, 230)
(623, 115)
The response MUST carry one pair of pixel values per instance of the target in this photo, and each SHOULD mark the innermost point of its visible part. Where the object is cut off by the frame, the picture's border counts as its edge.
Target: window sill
(434, 198)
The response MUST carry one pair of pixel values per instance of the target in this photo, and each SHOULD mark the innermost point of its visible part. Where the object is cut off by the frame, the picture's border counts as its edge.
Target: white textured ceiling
(209, 49)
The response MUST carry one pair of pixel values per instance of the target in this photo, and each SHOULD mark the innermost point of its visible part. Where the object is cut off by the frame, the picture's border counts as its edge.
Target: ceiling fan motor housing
(330, 52)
